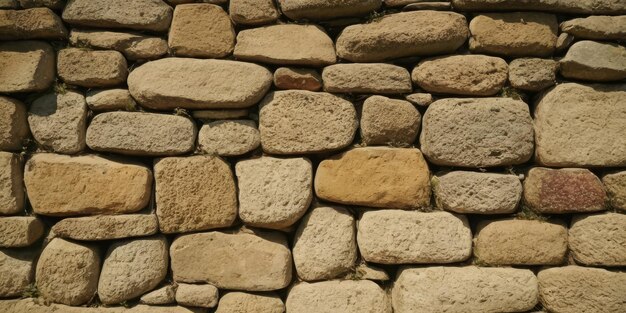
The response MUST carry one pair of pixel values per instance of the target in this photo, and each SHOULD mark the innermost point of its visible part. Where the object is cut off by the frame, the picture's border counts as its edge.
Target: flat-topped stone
(594, 61)
(90, 69)
(596, 27)
(386, 121)
(13, 124)
(152, 15)
(243, 302)
(27, 66)
(106, 227)
(559, 6)
(11, 184)
(134, 46)
(615, 185)
(20, 231)
(376, 78)
(599, 239)
(324, 10)
(37, 23)
(347, 296)
(229, 137)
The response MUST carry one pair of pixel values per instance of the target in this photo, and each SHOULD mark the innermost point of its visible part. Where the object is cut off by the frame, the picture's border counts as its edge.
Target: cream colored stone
(11, 184)
(91, 68)
(242, 302)
(229, 138)
(161, 296)
(561, 6)
(27, 66)
(36, 306)
(347, 296)
(596, 27)
(20, 231)
(615, 185)
(297, 78)
(324, 9)
(532, 74)
(204, 295)
(376, 78)
(599, 240)
(253, 12)
(201, 30)
(16, 271)
(13, 124)
(420, 99)
(134, 46)
(594, 61)
(110, 100)
(387, 121)
(153, 15)
(106, 227)
(366, 271)
(38, 23)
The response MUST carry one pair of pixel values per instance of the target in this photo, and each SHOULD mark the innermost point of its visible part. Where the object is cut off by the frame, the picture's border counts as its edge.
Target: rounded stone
(28, 66)
(90, 69)
(20, 231)
(253, 12)
(594, 61)
(599, 240)
(615, 185)
(324, 10)
(387, 121)
(532, 74)
(151, 15)
(110, 100)
(596, 27)
(243, 302)
(13, 124)
(376, 78)
(297, 78)
(347, 296)
(201, 295)
(229, 138)
(17, 271)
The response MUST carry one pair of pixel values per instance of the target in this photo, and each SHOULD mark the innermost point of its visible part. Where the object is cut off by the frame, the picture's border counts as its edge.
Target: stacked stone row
(312, 156)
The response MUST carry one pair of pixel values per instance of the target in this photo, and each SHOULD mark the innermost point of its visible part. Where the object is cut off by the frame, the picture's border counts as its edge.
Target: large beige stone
(203, 295)
(11, 184)
(568, 190)
(561, 6)
(594, 61)
(253, 12)
(404, 34)
(13, 124)
(477, 193)
(106, 227)
(91, 69)
(514, 34)
(62, 185)
(20, 231)
(134, 46)
(464, 289)
(582, 289)
(194, 193)
(110, 100)
(37, 306)
(229, 138)
(599, 239)
(347, 296)
(615, 185)
(324, 9)
(58, 121)
(68, 272)
(201, 30)
(375, 177)
(401, 237)
(286, 44)
(532, 74)
(298, 122)
(139, 133)
(274, 193)
(579, 125)
(198, 84)
(242, 302)
(596, 27)
(472, 75)
(38, 23)
(16, 271)
(26, 66)
(161, 296)
(478, 132)
(297, 78)
(376, 78)
(389, 121)
(152, 15)
(263, 260)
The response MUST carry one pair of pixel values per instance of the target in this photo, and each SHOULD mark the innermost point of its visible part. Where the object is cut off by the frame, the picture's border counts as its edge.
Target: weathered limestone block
(594, 61)
(253, 12)
(599, 239)
(16, 271)
(347, 296)
(194, 193)
(242, 302)
(106, 227)
(532, 74)
(615, 185)
(376, 78)
(274, 193)
(560, 6)
(375, 177)
(20, 231)
(91, 68)
(161, 296)
(39, 23)
(229, 138)
(110, 100)
(62, 185)
(366, 271)
(36, 306)
(596, 27)
(389, 121)
(297, 78)
(204, 295)
(13, 124)
(26, 66)
(11, 184)
(153, 15)
(324, 10)
(134, 46)
(464, 289)
(420, 98)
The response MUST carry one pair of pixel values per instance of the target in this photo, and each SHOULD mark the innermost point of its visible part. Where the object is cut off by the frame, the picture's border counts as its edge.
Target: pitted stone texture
(194, 193)
(253, 12)
(61, 185)
(132, 267)
(389, 121)
(198, 84)
(20, 231)
(532, 74)
(68, 272)
(36, 306)
(582, 289)
(615, 185)
(563, 42)
(161, 296)
(568, 190)
(242, 302)
(13, 124)
(274, 193)
(26, 66)
(580, 125)
(298, 122)
(401, 237)
(91, 68)
(11, 184)
(472, 75)
(139, 133)
(375, 177)
(39, 23)
(325, 244)
(16, 271)
(134, 46)
(297, 78)
(560, 6)
(110, 100)
(263, 260)
(201, 30)
(366, 271)
(229, 138)
(477, 132)
(204, 295)
(464, 289)
(58, 121)
(421, 99)
(106, 227)
(404, 34)
(376, 78)
(520, 242)
(52, 4)
(594, 61)
(152, 15)
(324, 9)
(347, 296)
(514, 34)
(596, 27)
(477, 193)
(286, 44)
(599, 239)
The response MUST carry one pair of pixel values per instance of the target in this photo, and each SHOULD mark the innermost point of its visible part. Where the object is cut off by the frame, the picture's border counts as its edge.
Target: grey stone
(594, 61)
(532, 74)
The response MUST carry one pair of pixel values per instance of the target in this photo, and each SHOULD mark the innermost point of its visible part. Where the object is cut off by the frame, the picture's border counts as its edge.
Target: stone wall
(312, 156)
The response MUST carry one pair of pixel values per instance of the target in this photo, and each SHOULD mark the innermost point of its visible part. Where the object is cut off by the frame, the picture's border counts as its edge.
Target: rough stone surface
(11, 184)
(472, 75)
(401, 237)
(207, 115)
(514, 34)
(201, 30)
(20, 231)
(198, 84)
(615, 185)
(13, 124)
(16, 271)
(563, 42)
(242, 302)
(348, 296)
(253, 12)
(376, 78)
(285, 44)
(263, 260)
(274, 193)
(445, 289)
(110, 100)
(594, 61)
(443, 6)
(106, 227)
(355, 177)
(420, 99)
(581, 289)
(68, 272)
(298, 121)
(58, 121)
(297, 78)
(532, 74)
(26, 66)
(39, 23)
(134, 46)
(597, 27)
(477, 193)
(324, 10)
(579, 125)
(194, 193)
(52, 4)
(204, 295)
(568, 190)
(366, 271)
(132, 267)
(153, 15)
(161, 296)
(561, 6)
(403, 34)
(91, 68)
(389, 121)
(138, 133)
(62, 185)
(599, 239)
(36, 306)
(229, 138)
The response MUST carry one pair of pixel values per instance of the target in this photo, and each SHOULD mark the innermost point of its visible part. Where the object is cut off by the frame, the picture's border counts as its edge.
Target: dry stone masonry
(312, 156)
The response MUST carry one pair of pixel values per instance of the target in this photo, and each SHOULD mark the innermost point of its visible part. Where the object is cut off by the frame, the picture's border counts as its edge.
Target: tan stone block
(615, 185)
(242, 302)
(134, 46)
(324, 10)
(16, 272)
(13, 124)
(11, 184)
(27, 66)
(90, 69)
(20, 231)
(110, 100)
(596, 27)
(229, 138)
(36, 306)
(599, 240)
(594, 61)
(532, 74)
(560, 6)
(347, 296)
(106, 227)
(152, 15)
(203, 295)
(387, 121)
(161, 296)
(38, 23)
(253, 12)
(376, 78)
